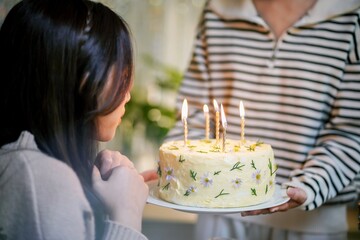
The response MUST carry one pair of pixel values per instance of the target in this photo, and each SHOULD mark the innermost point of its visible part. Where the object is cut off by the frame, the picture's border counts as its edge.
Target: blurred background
(163, 33)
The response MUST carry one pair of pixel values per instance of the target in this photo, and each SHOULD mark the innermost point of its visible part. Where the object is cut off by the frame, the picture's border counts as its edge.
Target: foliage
(170, 77)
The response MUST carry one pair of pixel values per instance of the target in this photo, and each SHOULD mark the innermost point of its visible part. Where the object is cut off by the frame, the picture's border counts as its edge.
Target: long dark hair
(55, 60)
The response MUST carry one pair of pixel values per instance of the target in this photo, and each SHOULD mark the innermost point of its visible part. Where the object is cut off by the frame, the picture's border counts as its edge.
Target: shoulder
(34, 167)
(24, 166)
(40, 196)
(44, 192)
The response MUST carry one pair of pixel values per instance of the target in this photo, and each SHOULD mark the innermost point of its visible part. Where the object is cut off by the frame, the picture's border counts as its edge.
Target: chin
(106, 138)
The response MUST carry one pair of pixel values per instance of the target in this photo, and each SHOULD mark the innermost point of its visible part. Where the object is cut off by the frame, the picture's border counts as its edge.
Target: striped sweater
(301, 92)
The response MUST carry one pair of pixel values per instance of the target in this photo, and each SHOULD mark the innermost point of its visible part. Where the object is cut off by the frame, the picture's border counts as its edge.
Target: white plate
(279, 197)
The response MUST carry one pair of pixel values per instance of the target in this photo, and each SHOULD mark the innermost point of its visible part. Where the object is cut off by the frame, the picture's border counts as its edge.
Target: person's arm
(42, 198)
(106, 172)
(120, 187)
(64, 211)
(335, 160)
(124, 196)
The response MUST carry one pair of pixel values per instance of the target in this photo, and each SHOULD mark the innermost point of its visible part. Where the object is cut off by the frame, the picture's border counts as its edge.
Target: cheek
(107, 125)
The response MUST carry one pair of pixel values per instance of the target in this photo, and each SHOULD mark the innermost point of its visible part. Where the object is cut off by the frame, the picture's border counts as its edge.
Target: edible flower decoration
(257, 176)
(205, 180)
(236, 182)
(169, 173)
(191, 189)
(252, 147)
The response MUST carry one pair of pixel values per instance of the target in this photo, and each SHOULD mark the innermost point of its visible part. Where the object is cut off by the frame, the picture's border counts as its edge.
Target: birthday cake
(203, 174)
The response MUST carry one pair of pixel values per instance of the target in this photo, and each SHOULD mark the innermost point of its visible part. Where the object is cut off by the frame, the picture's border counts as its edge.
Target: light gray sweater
(42, 198)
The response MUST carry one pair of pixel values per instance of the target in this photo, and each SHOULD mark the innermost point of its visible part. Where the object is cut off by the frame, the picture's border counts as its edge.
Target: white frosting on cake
(201, 174)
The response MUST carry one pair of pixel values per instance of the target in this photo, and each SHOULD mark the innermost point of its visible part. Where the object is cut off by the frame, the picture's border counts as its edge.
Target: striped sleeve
(335, 161)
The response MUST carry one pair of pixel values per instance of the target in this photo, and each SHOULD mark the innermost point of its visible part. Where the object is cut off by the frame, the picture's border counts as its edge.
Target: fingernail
(290, 191)
(274, 210)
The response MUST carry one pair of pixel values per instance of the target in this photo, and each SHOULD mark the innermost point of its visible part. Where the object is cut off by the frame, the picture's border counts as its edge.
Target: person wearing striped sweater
(296, 66)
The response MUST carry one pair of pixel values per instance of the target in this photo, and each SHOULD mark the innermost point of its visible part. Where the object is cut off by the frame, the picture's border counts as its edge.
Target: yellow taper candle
(184, 115)
(224, 125)
(242, 116)
(217, 121)
(207, 121)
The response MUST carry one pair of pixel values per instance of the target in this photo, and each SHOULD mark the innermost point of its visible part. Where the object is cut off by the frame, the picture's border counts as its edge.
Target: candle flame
(223, 118)
(206, 108)
(184, 110)
(242, 110)
(216, 105)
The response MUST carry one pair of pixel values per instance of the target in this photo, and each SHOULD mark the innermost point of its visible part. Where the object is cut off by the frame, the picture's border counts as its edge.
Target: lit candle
(217, 121)
(184, 115)
(207, 121)
(224, 125)
(242, 116)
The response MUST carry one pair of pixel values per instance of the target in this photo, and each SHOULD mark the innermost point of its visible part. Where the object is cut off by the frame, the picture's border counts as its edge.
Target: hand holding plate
(297, 197)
